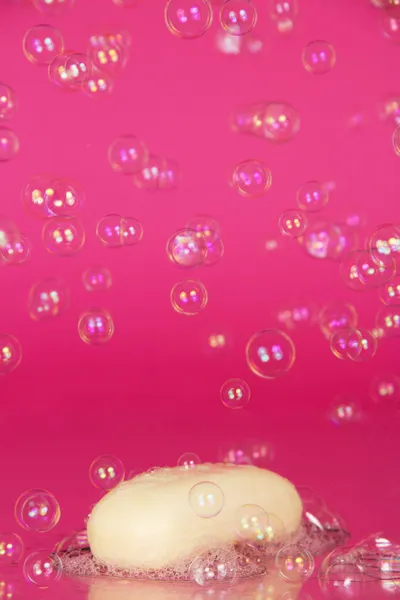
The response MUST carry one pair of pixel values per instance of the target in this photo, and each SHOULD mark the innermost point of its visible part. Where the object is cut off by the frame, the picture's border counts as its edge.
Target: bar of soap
(148, 522)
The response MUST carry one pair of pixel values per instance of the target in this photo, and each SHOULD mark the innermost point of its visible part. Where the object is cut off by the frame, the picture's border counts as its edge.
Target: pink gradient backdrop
(153, 392)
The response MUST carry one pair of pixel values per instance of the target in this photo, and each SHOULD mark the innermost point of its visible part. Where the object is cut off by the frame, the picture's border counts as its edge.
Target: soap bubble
(238, 17)
(8, 102)
(373, 272)
(42, 568)
(127, 155)
(169, 175)
(35, 194)
(270, 353)
(106, 472)
(340, 315)
(131, 231)
(342, 339)
(109, 231)
(53, 7)
(388, 320)
(390, 292)
(251, 523)
(319, 57)
(188, 461)
(48, 298)
(280, 122)
(215, 251)
(37, 510)
(294, 563)
(64, 197)
(189, 297)
(284, 13)
(344, 410)
(42, 43)
(321, 240)
(97, 279)
(63, 236)
(343, 579)
(95, 326)
(188, 18)
(312, 196)
(252, 178)
(214, 565)
(70, 71)
(362, 346)
(350, 270)
(384, 243)
(77, 540)
(11, 549)
(10, 353)
(206, 499)
(385, 389)
(9, 233)
(235, 393)
(186, 248)
(293, 223)
(390, 23)
(16, 252)
(107, 55)
(157, 174)
(99, 84)
(9, 144)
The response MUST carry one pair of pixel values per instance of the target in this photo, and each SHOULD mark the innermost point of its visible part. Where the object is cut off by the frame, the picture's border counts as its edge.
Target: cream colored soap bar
(148, 522)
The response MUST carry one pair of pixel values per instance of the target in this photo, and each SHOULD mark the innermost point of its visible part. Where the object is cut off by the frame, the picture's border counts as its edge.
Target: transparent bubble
(350, 270)
(48, 298)
(343, 579)
(53, 7)
(109, 231)
(256, 527)
(279, 122)
(77, 540)
(396, 140)
(206, 499)
(342, 339)
(284, 13)
(70, 70)
(10, 353)
(9, 144)
(293, 223)
(8, 102)
(312, 503)
(260, 453)
(35, 194)
(238, 17)
(106, 472)
(340, 315)
(362, 345)
(390, 23)
(384, 243)
(252, 178)
(188, 18)
(57, 71)
(107, 55)
(294, 563)
(216, 341)
(189, 297)
(97, 279)
(63, 236)
(385, 389)
(344, 410)
(127, 155)
(319, 57)
(37, 510)
(235, 393)
(64, 197)
(188, 461)
(42, 43)
(321, 240)
(169, 175)
(186, 248)
(131, 231)
(214, 565)
(304, 314)
(312, 196)
(227, 43)
(95, 326)
(153, 174)
(248, 119)
(236, 455)
(16, 252)
(42, 568)
(390, 292)
(98, 84)
(215, 251)
(388, 320)
(373, 272)
(11, 550)
(270, 353)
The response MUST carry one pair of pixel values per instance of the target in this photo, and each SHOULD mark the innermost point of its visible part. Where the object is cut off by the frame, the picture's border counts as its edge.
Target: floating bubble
(284, 13)
(37, 510)
(16, 252)
(279, 122)
(301, 315)
(238, 17)
(248, 119)
(188, 18)
(227, 43)
(340, 315)
(169, 175)
(131, 231)
(8, 102)
(10, 353)
(11, 550)
(342, 339)
(390, 23)
(385, 243)
(97, 279)
(385, 389)
(373, 272)
(215, 251)
(48, 298)
(322, 240)
(42, 568)
(53, 7)
(214, 566)
(127, 155)
(294, 563)
(270, 353)
(188, 461)
(312, 196)
(63, 236)
(9, 144)
(78, 70)
(35, 194)
(98, 84)
(237, 455)
(107, 55)
(319, 57)
(235, 393)
(189, 297)
(343, 579)
(388, 320)
(186, 248)
(350, 270)
(150, 177)
(390, 292)
(252, 178)
(208, 230)
(64, 197)
(109, 231)
(362, 345)
(42, 43)
(95, 326)
(76, 541)
(343, 411)
(251, 524)
(293, 223)
(106, 472)
(206, 499)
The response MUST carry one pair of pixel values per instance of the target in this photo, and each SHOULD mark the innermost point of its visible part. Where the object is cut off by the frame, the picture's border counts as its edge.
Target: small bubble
(97, 279)
(9, 144)
(106, 472)
(42, 568)
(95, 326)
(238, 17)
(206, 499)
(235, 393)
(189, 297)
(10, 353)
(37, 510)
(42, 43)
(188, 19)
(319, 57)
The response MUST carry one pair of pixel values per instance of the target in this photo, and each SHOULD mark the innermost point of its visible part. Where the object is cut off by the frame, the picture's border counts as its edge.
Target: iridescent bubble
(189, 297)
(385, 242)
(186, 248)
(97, 279)
(215, 251)
(390, 23)
(254, 526)
(16, 252)
(206, 499)
(340, 315)
(150, 177)
(252, 178)
(270, 353)
(11, 550)
(64, 197)
(319, 57)
(293, 223)
(284, 13)
(294, 563)
(35, 194)
(350, 270)
(385, 389)
(98, 84)
(10, 353)
(238, 17)
(37, 510)
(57, 71)
(127, 155)
(9, 144)
(42, 568)
(362, 345)
(279, 122)
(248, 119)
(388, 320)
(109, 231)
(390, 292)
(322, 240)
(95, 326)
(227, 43)
(343, 579)
(106, 472)
(53, 7)
(42, 43)
(374, 272)
(235, 393)
(76, 541)
(214, 566)
(188, 18)
(169, 175)
(48, 298)
(107, 55)
(188, 461)
(131, 231)
(208, 230)
(8, 102)
(63, 236)
(302, 314)
(78, 70)
(342, 339)
(312, 196)
(343, 411)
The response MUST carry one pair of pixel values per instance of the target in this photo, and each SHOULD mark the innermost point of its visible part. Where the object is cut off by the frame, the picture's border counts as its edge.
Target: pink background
(152, 393)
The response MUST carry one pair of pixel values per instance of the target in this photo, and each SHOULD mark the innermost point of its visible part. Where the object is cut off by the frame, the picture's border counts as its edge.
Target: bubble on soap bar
(206, 499)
